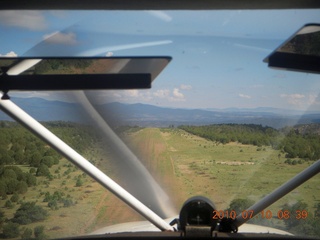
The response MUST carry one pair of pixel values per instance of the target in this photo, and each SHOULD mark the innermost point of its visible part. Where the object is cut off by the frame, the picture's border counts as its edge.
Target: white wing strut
(39, 130)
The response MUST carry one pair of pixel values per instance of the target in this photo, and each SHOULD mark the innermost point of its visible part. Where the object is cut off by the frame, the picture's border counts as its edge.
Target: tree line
(289, 139)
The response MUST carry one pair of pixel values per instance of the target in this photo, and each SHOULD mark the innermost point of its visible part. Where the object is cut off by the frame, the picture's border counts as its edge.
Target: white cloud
(172, 96)
(177, 94)
(32, 20)
(293, 99)
(244, 96)
(125, 96)
(313, 99)
(292, 96)
(130, 96)
(132, 93)
(109, 54)
(9, 54)
(185, 87)
(162, 93)
(61, 38)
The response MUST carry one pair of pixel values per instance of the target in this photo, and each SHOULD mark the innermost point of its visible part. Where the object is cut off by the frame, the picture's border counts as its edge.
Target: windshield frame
(40, 6)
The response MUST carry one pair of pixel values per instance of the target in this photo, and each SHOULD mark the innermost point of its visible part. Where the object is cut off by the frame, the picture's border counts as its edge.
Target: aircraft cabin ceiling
(158, 4)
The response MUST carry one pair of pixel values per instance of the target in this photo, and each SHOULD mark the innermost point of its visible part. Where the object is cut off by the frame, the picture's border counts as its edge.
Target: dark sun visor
(38, 74)
(301, 52)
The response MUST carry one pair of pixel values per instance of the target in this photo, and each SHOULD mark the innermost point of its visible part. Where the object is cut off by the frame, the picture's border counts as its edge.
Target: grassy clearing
(196, 166)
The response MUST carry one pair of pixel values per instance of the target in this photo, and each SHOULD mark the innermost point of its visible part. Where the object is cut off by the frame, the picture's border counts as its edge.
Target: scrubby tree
(67, 202)
(2, 218)
(10, 230)
(9, 174)
(79, 182)
(29, 212)
(35, 160)
(53, 204)
(22, 187)
(5, 158)
(39, 233)
(31, 180)
(14, 198)
(3, 189)
(11, 185)
(27, 234)
(43, 170)
(32, 170)
(47, 160)
(8, 204)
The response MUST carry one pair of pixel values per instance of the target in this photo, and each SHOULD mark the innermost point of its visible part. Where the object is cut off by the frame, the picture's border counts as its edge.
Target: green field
(188, 165)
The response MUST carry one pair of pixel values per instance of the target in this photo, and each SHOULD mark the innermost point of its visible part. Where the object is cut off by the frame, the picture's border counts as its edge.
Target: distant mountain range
(45, 110)
(149, 115)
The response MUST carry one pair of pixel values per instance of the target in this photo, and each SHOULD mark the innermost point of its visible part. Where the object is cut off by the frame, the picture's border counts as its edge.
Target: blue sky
(217, 55)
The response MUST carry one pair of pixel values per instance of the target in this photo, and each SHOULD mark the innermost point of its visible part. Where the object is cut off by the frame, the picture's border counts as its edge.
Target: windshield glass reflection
(217, 122)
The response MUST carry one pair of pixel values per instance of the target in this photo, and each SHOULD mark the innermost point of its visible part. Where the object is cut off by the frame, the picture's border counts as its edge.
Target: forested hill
(301, 141)
(18, 146)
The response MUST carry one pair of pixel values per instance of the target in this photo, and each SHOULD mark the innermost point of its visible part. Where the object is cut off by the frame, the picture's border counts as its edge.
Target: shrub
(14, 198)
(29, 212)
(8, 204)
(11, 230)
(39, 233)
(43, 170)
(27, 234)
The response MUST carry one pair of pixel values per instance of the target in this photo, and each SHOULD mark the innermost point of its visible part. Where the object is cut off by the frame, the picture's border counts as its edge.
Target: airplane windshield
(217, 122)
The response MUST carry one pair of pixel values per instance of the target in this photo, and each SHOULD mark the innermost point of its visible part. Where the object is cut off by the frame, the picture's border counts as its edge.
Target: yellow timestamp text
(265, 214)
